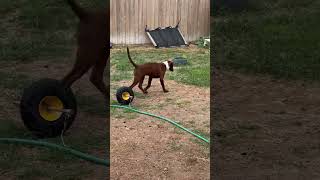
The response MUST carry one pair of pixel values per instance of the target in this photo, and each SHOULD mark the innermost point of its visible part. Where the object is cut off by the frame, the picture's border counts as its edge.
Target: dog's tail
(130, 58)
(80, 12)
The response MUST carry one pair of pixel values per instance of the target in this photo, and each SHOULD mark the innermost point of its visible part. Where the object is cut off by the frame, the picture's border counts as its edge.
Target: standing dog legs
(136, 81)
(85, 60)
(81, 66)
(149, 84)
(162, 84)
(96, 77)
(140, 85)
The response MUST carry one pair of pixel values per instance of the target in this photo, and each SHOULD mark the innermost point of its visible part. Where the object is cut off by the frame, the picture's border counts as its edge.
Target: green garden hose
(163, 118)
(88, 157)
(78, 154)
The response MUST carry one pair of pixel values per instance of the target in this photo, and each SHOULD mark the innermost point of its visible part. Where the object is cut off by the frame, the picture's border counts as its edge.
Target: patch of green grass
(118, 76)
(279, 43)
(198, 76)
(47, 15)
(114, 102)
(200, 42)
(225, 8)
(38, 29)
(8, 6)
(40, 45)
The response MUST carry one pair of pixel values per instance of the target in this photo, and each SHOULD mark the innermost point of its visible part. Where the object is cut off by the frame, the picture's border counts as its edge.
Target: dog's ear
(170, 65)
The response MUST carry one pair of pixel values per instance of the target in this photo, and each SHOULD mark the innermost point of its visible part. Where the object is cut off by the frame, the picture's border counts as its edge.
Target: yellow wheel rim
(125, 96)
(50, 108)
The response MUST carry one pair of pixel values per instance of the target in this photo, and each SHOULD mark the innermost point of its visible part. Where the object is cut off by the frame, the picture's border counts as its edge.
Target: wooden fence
(128, 18)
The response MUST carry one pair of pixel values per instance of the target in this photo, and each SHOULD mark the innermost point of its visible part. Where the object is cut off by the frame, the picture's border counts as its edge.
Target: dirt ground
(265, 128)
(146, 148)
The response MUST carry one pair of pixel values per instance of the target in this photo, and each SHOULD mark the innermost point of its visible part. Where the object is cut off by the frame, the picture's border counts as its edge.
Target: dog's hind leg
(140, 85)
(76, 73)
(135, 82)
(96, 77)
(149, 85)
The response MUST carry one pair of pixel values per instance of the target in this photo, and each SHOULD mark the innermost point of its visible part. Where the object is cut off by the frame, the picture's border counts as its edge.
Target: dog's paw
(165, 91)
(145, 92)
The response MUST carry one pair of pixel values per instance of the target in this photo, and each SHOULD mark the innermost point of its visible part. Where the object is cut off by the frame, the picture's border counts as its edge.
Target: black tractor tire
(30, 113)
(120, 93)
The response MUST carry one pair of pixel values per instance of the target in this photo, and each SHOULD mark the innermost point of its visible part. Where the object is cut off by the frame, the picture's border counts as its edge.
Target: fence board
(129, 18)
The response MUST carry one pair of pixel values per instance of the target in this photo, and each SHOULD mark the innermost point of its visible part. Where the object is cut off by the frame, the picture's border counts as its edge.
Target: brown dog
(93, 47)
(153, 70)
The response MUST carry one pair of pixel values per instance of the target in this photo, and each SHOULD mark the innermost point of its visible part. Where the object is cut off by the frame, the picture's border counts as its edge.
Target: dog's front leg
(162, 84)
